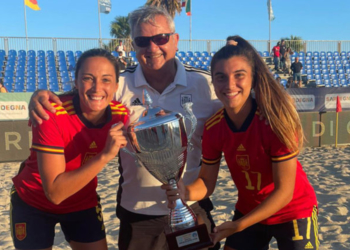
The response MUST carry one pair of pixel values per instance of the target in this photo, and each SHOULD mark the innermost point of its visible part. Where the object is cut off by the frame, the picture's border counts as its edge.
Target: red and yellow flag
(33, 4)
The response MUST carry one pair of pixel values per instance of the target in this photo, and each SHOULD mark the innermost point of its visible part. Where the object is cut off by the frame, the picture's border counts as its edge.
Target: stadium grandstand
(46, 67)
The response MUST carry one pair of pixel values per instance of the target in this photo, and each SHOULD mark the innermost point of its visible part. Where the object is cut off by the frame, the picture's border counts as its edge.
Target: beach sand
(328, 169)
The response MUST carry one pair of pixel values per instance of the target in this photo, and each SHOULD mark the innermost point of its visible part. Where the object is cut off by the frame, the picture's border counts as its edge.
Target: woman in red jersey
(275, 198)
(57, 183)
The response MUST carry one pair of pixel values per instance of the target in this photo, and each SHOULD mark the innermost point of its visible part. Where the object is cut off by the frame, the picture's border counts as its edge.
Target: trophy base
(192, 238)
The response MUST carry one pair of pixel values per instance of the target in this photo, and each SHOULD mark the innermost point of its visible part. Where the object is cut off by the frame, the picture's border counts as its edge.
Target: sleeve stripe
(284, 157)
(48, 149)
(211, 162)
(119, 113)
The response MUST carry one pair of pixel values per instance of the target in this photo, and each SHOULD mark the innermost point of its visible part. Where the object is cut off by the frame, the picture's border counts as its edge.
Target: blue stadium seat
(341, 76)
(42, 79)
(42, 86)
(78, 54)
(326, 76)
(341, 71)
(317, 66)
(325, 71)
(316, 54)
(50, 53)
(335, 53)
(319, 83)
(191, 63)
(343, 82)
(66, 87)
(22, 53)
(41, 53)
(30, 87)
(2, 53)
(54, 88)
(31, 79)
(180, 53)
(327, 82)
(343, 53)
(65, 79)
(12, 52)
(19, 87)
(335, 83)
(265, 54)
(31, 53)
(30, 73)
(318, 77)
(8, 86)
(301, 54)
(115, 54)
(212, 53)
(333, 76)
(309, 53)
(329, 54)
(19, 79)
(189, 53)
(8, 79)
(310, 77)
(197, 54)
(205, 54)
(20, 72)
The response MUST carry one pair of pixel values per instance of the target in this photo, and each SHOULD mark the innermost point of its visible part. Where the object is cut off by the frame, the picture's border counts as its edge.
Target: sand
(328, 169)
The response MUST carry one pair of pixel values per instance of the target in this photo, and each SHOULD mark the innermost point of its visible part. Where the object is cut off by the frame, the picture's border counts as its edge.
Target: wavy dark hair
(97, 53)
(274, 103)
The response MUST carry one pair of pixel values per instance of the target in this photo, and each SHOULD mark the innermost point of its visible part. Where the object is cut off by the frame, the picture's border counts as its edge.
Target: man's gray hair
(147, 14)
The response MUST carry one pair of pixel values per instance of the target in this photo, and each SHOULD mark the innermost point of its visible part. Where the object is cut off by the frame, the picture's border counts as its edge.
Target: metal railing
(82, 44)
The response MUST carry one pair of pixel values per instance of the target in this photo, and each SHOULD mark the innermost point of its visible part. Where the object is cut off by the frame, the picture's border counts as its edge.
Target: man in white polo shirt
(141, 203)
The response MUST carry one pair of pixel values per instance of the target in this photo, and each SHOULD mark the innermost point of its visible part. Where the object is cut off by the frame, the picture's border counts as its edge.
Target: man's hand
(40, 101)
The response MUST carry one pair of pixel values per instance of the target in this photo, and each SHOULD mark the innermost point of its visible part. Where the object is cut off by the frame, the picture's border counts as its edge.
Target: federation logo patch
(243, 161)
(20, 231)
(184, 98)
(88, 157)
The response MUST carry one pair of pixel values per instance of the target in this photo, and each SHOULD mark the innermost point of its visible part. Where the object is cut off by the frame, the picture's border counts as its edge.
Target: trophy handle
(190, 116)
(133, 156)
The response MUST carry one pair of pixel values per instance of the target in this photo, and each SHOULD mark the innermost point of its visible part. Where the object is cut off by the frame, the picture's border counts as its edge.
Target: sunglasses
(144, 41)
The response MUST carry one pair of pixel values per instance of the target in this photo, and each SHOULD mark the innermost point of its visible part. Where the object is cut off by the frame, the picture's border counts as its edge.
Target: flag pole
(269, 26)
(25, 23)
(336, 130)
(191, 26)
(99, 22)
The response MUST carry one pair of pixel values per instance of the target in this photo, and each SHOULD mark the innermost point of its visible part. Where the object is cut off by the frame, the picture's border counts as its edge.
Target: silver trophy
(160, 142)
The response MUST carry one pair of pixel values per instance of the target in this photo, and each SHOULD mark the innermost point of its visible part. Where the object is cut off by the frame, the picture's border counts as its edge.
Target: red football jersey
(249, 153)
(67, 132)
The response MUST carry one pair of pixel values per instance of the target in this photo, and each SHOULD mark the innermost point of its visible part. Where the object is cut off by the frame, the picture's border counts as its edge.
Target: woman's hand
(223, 231)
(116, 139)
(174, 194)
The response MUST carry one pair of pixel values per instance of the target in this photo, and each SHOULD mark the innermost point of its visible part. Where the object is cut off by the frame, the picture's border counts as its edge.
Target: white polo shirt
(139, 191)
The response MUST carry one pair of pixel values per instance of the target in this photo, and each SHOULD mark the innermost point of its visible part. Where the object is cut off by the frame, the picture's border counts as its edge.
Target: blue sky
(213, 20)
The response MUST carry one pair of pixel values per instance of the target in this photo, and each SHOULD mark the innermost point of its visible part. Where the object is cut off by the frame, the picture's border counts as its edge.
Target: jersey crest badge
(21, 231)
(184, 98)
(243, 161)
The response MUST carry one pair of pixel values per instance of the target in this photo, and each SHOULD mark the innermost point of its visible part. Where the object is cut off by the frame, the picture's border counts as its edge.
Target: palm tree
(120, 29)
(172, 6)
(295, 42)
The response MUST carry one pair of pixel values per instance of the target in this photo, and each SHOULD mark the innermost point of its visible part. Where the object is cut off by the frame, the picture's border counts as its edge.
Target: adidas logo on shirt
(136, 102)
(93, 145)
(309, 246)
(240, 148)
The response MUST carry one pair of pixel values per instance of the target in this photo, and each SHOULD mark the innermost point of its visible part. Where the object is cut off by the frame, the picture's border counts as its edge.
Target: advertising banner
(320, 99)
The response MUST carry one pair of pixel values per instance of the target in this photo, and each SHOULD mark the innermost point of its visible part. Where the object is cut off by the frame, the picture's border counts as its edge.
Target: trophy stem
(182, 216)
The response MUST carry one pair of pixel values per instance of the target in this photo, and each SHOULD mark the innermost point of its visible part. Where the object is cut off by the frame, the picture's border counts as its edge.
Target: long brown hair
(274, 103)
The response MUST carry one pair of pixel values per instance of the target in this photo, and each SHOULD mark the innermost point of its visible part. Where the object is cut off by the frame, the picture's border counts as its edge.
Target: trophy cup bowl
(160, 142)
